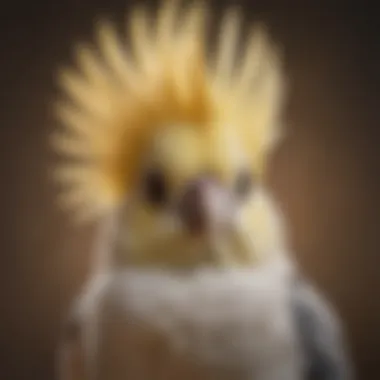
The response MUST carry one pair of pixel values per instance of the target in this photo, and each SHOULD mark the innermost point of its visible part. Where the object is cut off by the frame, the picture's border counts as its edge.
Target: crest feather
(120, 94)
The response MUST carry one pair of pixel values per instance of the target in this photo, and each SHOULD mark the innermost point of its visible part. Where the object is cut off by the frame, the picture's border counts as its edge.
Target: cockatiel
(167, 141)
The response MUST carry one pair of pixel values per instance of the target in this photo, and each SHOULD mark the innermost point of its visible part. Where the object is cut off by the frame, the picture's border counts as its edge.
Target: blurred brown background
(326, 174)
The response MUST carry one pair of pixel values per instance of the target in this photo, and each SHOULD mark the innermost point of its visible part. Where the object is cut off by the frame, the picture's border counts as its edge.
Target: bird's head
(174, 142)
(198, 199)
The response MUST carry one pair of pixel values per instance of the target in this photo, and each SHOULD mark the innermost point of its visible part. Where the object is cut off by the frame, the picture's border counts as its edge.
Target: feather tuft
(121, 94)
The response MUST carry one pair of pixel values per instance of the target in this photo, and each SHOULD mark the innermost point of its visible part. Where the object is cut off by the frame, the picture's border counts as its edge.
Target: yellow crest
(122, 93)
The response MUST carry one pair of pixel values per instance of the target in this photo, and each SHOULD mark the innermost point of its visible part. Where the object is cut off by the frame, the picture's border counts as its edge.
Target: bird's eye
(154, 187)
(244, 183)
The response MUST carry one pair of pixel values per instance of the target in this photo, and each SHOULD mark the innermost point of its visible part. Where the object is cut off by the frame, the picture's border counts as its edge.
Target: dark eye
(154, 187)
(244, 183)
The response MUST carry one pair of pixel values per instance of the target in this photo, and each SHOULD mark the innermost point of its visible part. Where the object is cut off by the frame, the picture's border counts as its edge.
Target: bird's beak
(206, 207)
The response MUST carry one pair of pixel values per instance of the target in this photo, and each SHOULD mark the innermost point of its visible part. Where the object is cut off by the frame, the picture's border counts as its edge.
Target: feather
(122, 94)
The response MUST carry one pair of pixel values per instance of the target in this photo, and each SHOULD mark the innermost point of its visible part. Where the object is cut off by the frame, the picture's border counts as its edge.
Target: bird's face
(197, 200)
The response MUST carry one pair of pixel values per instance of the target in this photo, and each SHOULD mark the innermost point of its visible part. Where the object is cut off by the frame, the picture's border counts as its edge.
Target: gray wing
(320, 334)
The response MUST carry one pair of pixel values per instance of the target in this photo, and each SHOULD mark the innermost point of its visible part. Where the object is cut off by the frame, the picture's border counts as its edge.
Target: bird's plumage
(119, 96)
(169, 138)
(210, 324)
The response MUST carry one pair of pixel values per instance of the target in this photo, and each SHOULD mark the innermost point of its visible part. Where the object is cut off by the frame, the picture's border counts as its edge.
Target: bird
(166, 140)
